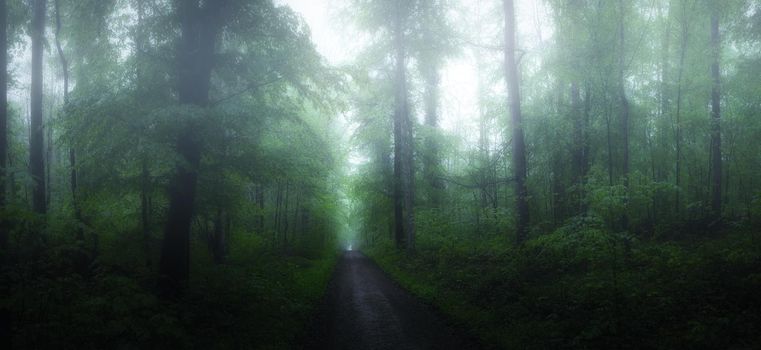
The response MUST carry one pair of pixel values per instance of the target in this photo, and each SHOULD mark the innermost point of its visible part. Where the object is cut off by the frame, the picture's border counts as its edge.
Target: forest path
(365, 309)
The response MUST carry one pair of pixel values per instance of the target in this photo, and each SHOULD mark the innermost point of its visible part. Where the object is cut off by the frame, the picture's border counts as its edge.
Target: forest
(380, 174)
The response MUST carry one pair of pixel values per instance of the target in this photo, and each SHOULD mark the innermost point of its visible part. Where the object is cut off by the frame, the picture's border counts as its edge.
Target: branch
(248, 88)
(477, 185)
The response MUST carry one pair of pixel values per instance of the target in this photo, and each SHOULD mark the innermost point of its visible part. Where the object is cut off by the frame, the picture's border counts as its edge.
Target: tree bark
(219, 240)
(199, 25)
(579, 146)
(624, 117)
(716, 167)
(403, 173)
(431, 157)
(72, 155)
(285, 214)
(3, 116)
(36, 141)
(519, 147)
(260, 203)
(678, 117)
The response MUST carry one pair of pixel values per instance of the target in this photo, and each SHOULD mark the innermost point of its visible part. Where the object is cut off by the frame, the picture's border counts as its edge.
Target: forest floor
(365, 309)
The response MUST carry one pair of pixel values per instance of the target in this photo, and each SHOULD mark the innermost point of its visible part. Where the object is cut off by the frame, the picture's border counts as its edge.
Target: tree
(432, 50)
(200, 23)
(404, 174)
(685, 34)
(36, 141)
(624, 100)
(715, 115)
(514, 103)
(3, 114)
(72, 155)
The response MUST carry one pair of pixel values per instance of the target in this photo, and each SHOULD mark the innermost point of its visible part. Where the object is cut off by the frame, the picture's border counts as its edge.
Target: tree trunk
(72, 156)
(285, 214)
(3, 116)
(219, 240)
(716, 167)
(579, 142)
(431, 157)
(519, 147)
(624, 117)
(199, 24)
(403, 174)
(145, 214)
(36, 141)
(609, 142)
(678, 121)
(278, 202)
(260, 203)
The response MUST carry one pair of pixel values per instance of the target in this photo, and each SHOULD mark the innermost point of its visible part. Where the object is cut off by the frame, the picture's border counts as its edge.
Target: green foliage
(108, 301)
(580, 287)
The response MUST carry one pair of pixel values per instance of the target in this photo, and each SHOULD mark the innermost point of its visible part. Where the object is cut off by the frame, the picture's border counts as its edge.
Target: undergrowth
(57, 294)
(582, 287)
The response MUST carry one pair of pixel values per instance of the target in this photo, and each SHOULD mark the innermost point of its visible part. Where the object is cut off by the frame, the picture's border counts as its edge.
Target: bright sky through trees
(338, 42)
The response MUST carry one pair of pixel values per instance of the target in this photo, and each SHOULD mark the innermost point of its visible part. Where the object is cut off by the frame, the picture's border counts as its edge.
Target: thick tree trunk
(36, 141)
(519, 147)
(716, 167)
(145, 174)
(3, 116)
(199, 24)
(6, 317)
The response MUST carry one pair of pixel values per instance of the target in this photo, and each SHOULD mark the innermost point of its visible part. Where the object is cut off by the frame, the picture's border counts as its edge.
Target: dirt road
(365, 309)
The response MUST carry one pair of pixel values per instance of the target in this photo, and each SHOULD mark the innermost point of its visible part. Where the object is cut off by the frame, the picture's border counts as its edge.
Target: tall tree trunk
(36, 141)
(585, 162)
(678, 118)
(519, 147)
(484, 161)
(47, 126)
(3, 117)
(579, 142)
(716, 167)
(145, 214)
(285, 214)
(664, 93)
(199, 24)
(278, 205)
(6, 317)
(431, 157)
(72, 156)
(403, 174)
(145, 174)
(609, 141)
(624, 116)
